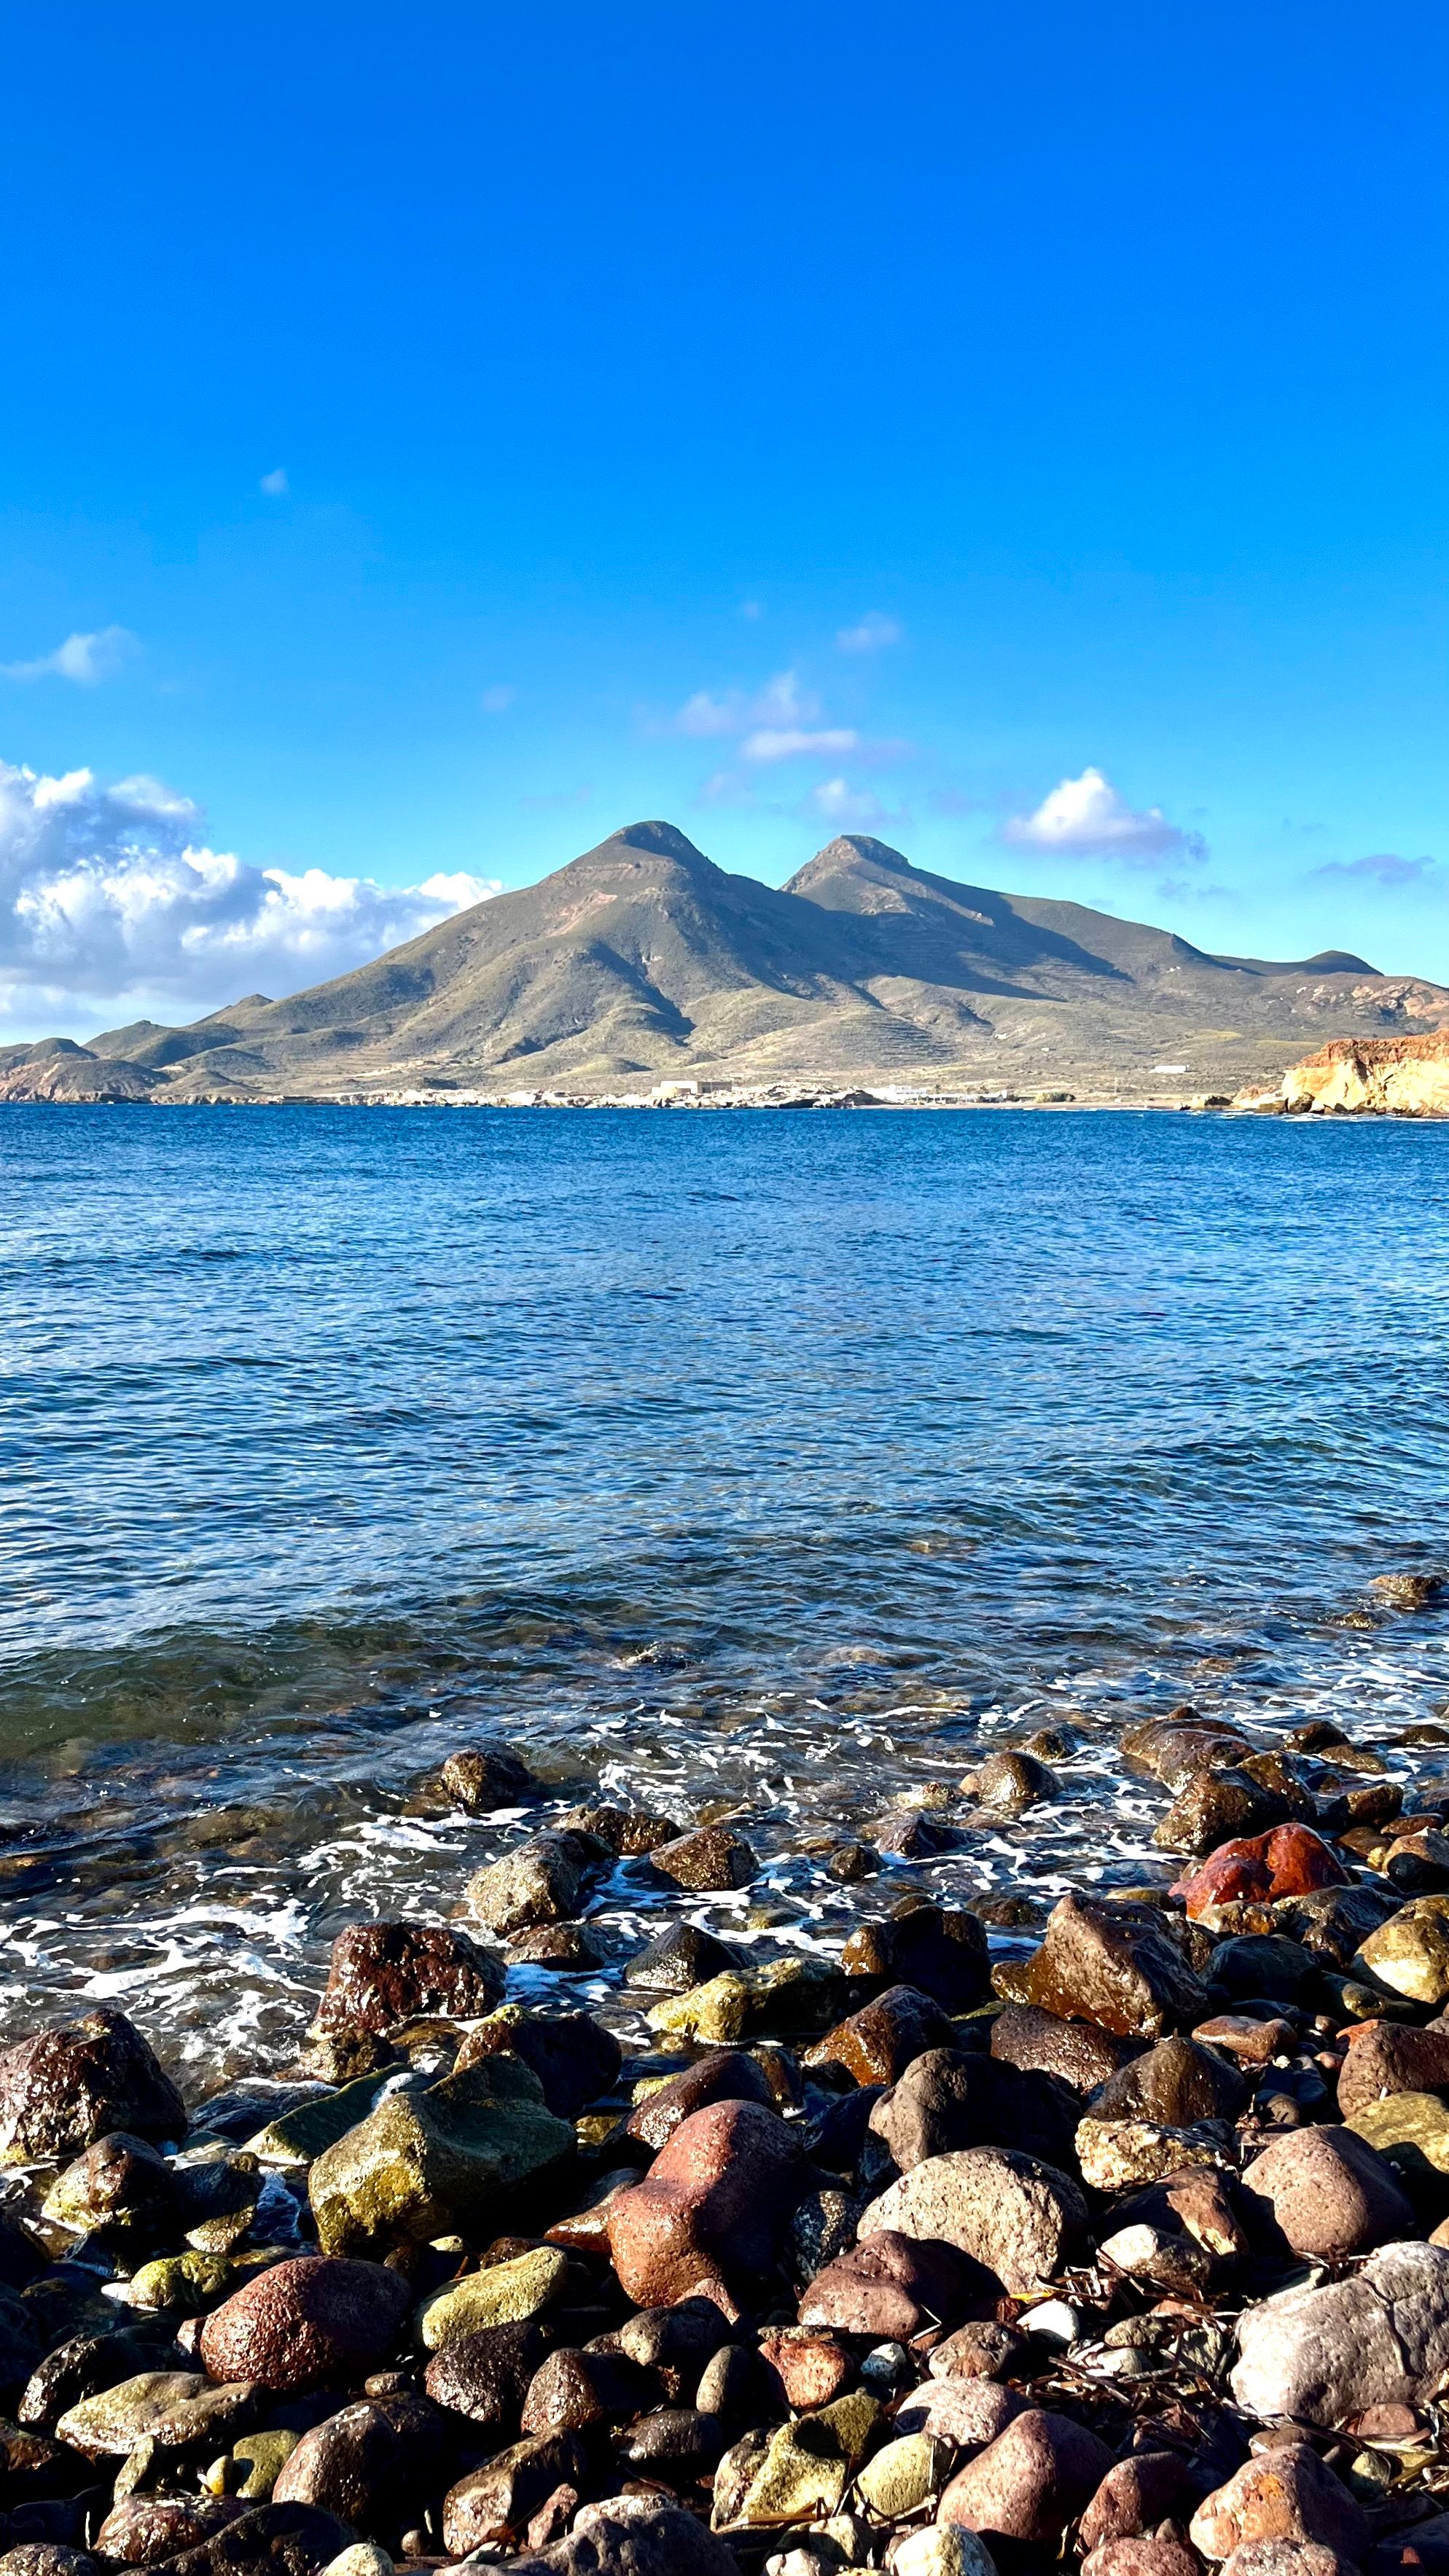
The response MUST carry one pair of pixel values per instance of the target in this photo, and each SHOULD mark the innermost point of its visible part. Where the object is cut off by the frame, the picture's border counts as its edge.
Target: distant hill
(641, 961)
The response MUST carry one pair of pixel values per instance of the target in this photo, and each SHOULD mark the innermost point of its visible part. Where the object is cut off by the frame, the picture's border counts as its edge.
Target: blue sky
(432, 438)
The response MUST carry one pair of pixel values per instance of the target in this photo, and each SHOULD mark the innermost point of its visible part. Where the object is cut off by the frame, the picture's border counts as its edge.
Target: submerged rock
(544, 1881)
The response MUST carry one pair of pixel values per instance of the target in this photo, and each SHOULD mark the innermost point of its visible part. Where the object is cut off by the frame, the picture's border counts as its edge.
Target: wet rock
(1218, 1807)
(81, 2367)
(1328, 2194)
(1077, 2053)
(545, 1881)
(913, 1836)
(939, 1950)
(382, 1974)
(367, 2462)
(482, 1778)
(804, 2469)
(1031, 2482)
(426, 2164)
(46, 2558)
(1289, 1861)
(1116, 2155)
(1102, 1964)
(486, 2375)
(1135, 2495)
(254, 2463)
(946, 2101)
(711, 1858)
(1264, 1964)
(269, 2540)
(571, 2391)
(1283, 2494)
(1008, 1783)
(1410, 1953)
(187, 2284)
(495, 2504)
(1418, 1863)
(849, 1863)
(310, 2323)
(713, 2209)
(785, 1995)
(679, 1959)
(63, 2088)
(727, 2075)
(1248, 2041)
(1018, 2217)
(501, 2294)
(1322, 2355)
(1177, 2083)
(981, 2349)
(1175, 1749)
(880, 2041)
(891, 2284)
(171, 2408)
(629, 1832)
(1411, 2132)
(573, 2056)
(119, 2188)
(1391, 2059)
(569, 1947)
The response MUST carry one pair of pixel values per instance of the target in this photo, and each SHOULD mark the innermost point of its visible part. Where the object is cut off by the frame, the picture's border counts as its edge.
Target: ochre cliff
(1409, 1076)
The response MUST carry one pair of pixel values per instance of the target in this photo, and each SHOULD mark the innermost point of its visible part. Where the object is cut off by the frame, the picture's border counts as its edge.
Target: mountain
(642, 960)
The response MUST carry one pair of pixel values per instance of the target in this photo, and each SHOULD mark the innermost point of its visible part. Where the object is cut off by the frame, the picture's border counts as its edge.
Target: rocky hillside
(1408, 1076)
(642, 961)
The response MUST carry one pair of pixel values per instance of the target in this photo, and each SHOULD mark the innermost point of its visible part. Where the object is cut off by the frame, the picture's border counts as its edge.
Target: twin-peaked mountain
(643, 959)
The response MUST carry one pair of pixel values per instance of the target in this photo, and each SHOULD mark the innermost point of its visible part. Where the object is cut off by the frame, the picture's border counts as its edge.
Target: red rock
(892, 2287)
(1283, 2494)
(726, 2075)
(1235, 1872)
(1155, 2556)
(1135, 2495)
(1253, 2043)
(385, 1973)
(1392, 2057)
(1030, 2482)
(708, 2216)
(880, 2041)
(310, 2323)
(1291, 1860)
(1328, 2193)
(64, 2087)
(811, 2368)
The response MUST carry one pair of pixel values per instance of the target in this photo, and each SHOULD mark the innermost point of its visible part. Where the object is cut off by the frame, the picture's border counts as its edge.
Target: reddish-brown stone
(708, 2216)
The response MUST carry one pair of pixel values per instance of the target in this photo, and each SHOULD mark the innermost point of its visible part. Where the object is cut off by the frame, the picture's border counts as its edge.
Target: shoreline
(972, 2224)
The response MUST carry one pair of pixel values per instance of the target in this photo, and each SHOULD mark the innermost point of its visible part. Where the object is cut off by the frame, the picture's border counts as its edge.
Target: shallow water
(766, 1464)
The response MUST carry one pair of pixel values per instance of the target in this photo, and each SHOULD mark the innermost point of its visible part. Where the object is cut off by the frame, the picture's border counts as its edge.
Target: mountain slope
(642, 958)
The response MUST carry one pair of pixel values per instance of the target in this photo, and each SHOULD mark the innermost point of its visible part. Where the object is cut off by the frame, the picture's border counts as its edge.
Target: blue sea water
(780, 1460)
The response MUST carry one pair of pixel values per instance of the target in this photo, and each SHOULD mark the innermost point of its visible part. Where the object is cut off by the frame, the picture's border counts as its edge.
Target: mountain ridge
(642, 958)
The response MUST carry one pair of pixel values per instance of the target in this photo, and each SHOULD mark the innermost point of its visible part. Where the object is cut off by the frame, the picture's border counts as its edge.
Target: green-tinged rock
(429, 2163)
(904, 2474)
(252, 2466)
(172, 2408)
(190, 2283)
(1410, 1953)
(220, 2194)
(808, 2464)
(786, 1997)
(503, 2294)
(298, 2136)
(1411, 2129)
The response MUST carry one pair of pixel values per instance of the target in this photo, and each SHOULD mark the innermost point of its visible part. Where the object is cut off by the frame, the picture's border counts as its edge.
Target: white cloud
(851, 809)
(112, 905)
(275, 484)
(781, 702)
(83, 658)
(870, 635)
(791, 743)
(496, 702)
(1086, 818)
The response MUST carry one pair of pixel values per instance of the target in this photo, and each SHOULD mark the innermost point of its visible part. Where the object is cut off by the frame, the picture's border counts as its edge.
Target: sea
(764, 1465)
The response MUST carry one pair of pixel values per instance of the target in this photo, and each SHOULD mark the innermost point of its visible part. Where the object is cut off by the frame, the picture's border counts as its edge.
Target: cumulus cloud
(111, 896)
(82, 658)
(850, 809)
(275, 484)
(1086, 818)
(871, 634)
(1382, 867)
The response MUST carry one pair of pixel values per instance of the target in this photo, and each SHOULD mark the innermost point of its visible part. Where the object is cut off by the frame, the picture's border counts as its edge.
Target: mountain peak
(665, 839)
(859, 845)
